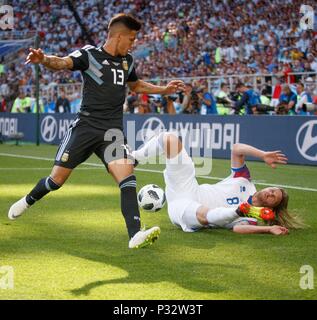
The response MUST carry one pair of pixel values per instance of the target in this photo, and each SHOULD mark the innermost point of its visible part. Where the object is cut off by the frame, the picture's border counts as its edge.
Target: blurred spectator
(3, 105)
(207, 101)
(157, 103)
(177, 106)
(22, 104)
(34, 106)
(190, 101)
(312, 62)
(250, 99)
(1, 68)
(144, 104)
(287, 69)
(62, 104)
(170, 109)
(304, 98)
(4, 87)
(224, 102)
(132, 102)
(287, 101)
(27, 102)
(264, 98)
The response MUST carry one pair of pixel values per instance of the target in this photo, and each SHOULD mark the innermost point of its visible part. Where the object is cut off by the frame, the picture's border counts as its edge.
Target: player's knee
(59, 175)
(172, 144)
(201, 215)
(58, 180)
(52, 184)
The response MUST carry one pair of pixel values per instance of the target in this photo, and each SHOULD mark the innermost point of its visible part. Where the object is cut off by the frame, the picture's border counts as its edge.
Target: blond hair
(284, 218)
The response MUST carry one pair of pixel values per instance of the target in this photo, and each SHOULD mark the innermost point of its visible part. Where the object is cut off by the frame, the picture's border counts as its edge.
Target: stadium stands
(179, 39)
(8, 47)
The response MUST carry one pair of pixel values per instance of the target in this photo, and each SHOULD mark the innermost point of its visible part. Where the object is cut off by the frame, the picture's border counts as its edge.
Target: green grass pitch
(73, 244)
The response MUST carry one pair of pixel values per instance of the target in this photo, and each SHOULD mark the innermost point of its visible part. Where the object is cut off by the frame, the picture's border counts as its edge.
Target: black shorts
(82, 140)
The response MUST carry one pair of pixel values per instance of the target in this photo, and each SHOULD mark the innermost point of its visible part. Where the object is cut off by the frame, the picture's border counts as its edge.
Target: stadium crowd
(178, 39)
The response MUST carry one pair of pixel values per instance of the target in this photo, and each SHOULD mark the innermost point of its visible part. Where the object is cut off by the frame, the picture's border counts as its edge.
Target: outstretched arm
(51, 62)
(240, 151)
(249, 229)
(141, 86)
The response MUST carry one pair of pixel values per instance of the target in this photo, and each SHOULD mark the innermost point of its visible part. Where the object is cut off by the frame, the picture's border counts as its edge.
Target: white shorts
(182, 192)
(182, 213)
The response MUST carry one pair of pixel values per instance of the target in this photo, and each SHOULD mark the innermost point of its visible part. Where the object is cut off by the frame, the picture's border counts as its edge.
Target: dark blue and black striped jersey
(104, 85)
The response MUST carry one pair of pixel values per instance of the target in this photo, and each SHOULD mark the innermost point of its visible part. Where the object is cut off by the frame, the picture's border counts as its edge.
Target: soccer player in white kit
(192, 206)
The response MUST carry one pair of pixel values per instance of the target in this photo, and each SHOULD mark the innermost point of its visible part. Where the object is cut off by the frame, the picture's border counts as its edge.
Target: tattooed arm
(57, 63)
(51, 62)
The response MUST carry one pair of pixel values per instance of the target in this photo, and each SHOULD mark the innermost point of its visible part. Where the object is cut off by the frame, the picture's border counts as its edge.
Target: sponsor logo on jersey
(105, 62)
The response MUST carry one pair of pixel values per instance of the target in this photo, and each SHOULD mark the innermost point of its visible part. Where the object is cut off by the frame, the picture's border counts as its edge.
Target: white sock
(152, 148)
(221, 216)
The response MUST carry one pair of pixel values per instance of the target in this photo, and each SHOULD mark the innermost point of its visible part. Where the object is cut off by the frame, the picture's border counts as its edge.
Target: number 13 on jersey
(118, 77)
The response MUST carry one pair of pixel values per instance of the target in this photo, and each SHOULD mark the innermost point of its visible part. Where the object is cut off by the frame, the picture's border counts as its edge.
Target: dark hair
(265, 92)
(239, 85)
(223, 85)
(127, 20)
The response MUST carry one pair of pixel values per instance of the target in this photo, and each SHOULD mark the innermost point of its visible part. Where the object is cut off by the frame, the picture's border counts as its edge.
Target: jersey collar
(116, 58)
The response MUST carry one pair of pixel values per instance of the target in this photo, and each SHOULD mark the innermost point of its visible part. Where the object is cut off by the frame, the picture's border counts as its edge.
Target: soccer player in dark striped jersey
(98, 127)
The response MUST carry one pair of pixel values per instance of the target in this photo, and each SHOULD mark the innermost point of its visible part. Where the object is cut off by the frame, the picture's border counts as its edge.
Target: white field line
(152, 171)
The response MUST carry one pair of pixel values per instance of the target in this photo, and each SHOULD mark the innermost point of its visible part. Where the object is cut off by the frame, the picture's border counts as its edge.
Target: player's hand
(278, 230)
(174, 86)
(35, 56)
(271, 158)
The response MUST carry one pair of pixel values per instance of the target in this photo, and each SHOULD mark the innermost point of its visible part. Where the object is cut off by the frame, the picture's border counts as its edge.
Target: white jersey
(230, 192)
(184, 193)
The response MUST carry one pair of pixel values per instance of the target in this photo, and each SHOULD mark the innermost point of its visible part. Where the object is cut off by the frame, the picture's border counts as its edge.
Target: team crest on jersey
(125, 65)
(65, 157)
